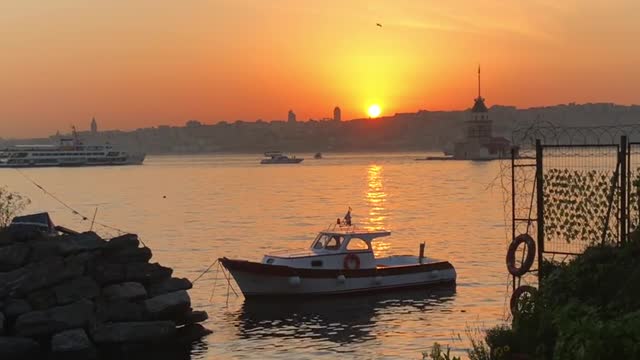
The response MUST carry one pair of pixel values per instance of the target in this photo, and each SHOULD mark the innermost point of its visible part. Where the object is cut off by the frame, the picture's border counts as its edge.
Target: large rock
(126, 241)
(151, 331)
(169, 285)
(129, 255)
(56, 319)
(121, 311)
(64, 245)
(71, 341)
(192, 317)
(13, 256)
(44, 248)
(168, 306)
(147, 273)
(5, 237)
(42, 299)
(10, 281)
(76, 289)
(109, 273)
(47, 273)
(87, 241)
(190, 333)
(106, 273)
(16, 307)
(124, 291)
(2, 322)
(25, 232)
(18, 348)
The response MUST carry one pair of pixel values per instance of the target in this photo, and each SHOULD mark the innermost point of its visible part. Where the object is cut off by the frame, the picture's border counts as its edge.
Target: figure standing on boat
(347, 217)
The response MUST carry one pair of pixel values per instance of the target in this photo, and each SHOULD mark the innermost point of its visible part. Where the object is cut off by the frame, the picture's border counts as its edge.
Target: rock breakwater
(77, 295)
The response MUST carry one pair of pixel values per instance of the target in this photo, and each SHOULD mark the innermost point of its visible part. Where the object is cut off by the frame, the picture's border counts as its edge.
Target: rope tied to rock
(71, 209)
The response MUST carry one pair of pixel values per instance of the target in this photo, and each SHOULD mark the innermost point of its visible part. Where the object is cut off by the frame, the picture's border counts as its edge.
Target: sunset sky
(139, 63)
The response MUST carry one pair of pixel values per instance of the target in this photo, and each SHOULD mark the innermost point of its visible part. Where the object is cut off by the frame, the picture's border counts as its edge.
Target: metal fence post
(540, 207)
(513, 203)
(622, 158)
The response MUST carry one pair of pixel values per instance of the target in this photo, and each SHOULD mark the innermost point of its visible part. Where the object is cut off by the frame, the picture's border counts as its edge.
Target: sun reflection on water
(376, 198)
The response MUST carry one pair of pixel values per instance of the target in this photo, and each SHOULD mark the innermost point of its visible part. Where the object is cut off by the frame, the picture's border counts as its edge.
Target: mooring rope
(120, 231)
(204, 272)
(74, 211)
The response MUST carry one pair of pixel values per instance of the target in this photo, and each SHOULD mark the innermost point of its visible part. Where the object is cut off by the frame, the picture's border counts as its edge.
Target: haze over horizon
(145, 63)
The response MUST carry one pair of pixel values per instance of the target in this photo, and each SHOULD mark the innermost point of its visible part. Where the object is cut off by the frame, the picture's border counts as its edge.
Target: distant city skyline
(68, 60)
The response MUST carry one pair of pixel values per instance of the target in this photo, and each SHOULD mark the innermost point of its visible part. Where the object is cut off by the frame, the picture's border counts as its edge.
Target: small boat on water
(277, 157)
(317, 156)
(339, 261)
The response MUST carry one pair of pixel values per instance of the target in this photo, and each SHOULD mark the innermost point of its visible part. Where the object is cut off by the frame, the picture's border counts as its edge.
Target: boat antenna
(93, 220)
(74, 133)
(478, 81)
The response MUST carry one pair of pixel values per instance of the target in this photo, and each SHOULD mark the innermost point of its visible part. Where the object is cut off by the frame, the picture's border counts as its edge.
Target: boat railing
(272, 153)
(342, 227)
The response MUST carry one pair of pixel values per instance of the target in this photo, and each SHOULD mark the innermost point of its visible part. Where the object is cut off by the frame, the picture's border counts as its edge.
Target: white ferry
(339, 261)
(69, 152)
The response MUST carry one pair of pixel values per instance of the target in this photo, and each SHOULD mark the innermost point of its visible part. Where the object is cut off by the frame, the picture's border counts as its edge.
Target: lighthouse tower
(479, 126)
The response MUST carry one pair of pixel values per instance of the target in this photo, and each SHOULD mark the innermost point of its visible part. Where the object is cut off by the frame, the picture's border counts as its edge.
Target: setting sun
(374, 110)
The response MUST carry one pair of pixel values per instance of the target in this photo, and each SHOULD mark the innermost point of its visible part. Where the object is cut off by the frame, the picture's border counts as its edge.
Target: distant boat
(317, 156)
(69, 152)
(277, 157)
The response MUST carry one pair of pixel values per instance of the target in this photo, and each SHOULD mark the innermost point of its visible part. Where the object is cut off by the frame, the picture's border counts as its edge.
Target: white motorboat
(277, 157)
(340, 261)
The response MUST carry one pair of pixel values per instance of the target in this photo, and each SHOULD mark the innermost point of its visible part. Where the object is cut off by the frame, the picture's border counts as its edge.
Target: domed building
(479, 142)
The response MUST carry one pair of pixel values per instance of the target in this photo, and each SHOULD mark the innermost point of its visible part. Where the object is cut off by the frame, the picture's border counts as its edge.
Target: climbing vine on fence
(576, 204)
(634, 199)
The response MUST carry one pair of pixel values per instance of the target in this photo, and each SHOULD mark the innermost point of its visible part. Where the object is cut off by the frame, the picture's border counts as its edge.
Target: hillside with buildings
(422, 130)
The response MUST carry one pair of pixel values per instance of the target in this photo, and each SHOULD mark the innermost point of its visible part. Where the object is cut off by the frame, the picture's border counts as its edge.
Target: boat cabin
(338, 248)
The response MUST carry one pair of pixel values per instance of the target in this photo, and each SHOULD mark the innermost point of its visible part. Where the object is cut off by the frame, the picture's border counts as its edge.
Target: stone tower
(479, 126)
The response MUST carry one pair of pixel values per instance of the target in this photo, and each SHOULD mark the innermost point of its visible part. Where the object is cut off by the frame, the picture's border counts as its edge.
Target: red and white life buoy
(528, 260)
(351, 259)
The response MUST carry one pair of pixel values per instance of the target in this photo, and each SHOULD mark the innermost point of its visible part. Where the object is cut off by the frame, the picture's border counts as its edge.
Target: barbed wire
(524, 135)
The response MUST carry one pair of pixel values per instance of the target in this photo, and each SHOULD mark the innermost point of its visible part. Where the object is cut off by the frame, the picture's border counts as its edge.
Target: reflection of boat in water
(339, 320)
(317, 156)
(340, 261)
(277, 157)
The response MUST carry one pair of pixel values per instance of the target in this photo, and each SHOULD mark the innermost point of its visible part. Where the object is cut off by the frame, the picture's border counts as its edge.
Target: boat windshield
(328, 242)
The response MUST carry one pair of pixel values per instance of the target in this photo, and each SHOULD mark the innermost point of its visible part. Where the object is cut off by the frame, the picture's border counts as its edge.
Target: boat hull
(262, 280)
(137, 159)
(287, 161)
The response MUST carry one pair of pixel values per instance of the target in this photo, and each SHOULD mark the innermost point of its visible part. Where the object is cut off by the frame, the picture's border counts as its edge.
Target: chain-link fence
(581, 190)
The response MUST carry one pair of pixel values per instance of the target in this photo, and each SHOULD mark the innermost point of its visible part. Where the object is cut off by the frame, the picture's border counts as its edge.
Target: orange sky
(139, 63)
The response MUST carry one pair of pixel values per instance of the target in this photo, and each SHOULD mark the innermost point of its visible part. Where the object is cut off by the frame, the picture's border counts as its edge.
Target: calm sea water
(193, 209)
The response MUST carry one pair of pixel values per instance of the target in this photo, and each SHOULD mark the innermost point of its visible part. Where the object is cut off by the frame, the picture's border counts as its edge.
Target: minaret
(94, 126)
(291, 117)
(479, 127)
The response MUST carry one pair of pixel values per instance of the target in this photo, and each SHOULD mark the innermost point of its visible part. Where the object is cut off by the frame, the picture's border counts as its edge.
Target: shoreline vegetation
(588, 308)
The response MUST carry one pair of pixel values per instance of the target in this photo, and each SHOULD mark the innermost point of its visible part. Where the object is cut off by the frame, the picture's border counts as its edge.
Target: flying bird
(378, 24)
